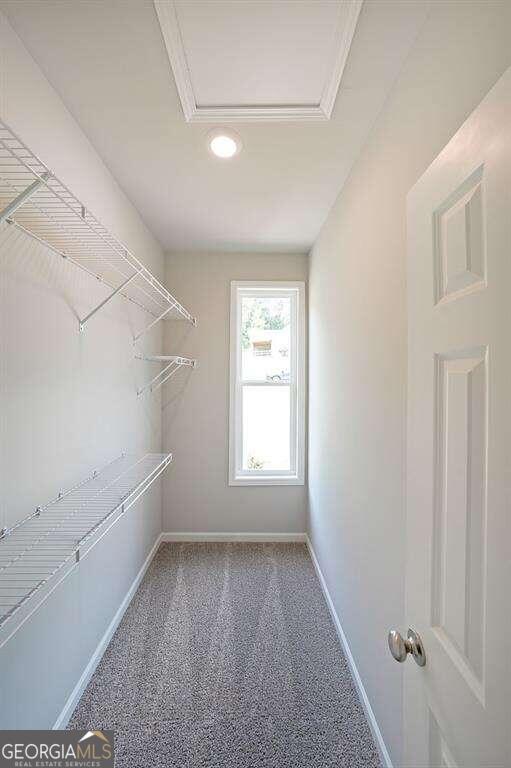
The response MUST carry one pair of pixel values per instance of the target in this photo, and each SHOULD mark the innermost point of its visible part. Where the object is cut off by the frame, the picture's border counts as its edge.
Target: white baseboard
(254, 537)
(373, 724)
(63, 719)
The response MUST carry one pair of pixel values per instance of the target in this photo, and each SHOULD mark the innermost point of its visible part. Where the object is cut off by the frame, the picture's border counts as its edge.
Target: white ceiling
(108, 61)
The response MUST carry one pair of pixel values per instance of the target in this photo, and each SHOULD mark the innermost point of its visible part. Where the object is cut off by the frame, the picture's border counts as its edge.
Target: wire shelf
(37, 203)
(50, 541)
(171, 365)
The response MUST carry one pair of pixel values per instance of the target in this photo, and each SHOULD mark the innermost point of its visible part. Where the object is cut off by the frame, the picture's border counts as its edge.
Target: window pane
(266, 422)
(265, 338)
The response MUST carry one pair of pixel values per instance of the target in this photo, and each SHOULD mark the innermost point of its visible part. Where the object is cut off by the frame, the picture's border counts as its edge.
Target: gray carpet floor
(227, 658)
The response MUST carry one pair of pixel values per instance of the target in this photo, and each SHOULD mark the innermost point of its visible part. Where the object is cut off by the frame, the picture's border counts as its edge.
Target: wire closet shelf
(33, 200)
(171, 365)
(49, 543)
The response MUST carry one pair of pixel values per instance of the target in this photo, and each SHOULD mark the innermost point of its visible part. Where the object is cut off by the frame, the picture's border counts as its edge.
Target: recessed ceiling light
(224, 143)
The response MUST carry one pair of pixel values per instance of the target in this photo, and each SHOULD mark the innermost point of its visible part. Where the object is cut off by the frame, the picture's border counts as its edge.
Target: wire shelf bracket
(38, 552)
(157, 320)
(37, 203)
(117, 290)
(174, 363)
(22, 197)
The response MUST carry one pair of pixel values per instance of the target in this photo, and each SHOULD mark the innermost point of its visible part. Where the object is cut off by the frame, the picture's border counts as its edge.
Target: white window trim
(238, 476)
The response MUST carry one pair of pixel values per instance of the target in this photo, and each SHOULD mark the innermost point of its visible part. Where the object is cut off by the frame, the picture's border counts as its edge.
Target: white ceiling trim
(169, 23)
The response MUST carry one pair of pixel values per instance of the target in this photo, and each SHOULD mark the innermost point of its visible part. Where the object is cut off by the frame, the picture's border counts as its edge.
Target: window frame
(296, 475)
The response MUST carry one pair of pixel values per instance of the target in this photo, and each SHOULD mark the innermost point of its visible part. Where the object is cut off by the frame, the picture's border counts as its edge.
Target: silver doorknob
(400, 648)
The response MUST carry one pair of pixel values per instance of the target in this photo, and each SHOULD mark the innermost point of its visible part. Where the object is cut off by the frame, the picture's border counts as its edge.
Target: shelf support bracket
(23, 197)
(165, 374)
(85, 320)
(167, 377)
(157, 320)
(150, 385)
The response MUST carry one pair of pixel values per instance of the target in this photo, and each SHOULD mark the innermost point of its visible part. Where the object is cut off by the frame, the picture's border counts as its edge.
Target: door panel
(457, 707)
(459, 517)
(459, 240)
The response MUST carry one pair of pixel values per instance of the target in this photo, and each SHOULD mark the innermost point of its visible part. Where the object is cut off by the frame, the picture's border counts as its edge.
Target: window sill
(267, 480)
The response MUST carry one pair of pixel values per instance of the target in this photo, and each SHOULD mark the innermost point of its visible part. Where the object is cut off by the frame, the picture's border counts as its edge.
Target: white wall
(357, 338)
(196, 404)
(69, 400)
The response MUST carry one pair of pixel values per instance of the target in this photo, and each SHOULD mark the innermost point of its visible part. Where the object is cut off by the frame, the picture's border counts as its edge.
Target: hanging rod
(34, 200)
(40, 550)
(174, 363)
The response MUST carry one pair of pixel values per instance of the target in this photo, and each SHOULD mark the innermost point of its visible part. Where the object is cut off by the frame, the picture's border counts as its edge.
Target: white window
(267, 409)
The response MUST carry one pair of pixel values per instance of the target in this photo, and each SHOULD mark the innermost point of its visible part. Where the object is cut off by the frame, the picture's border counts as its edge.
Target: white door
(458, 706)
